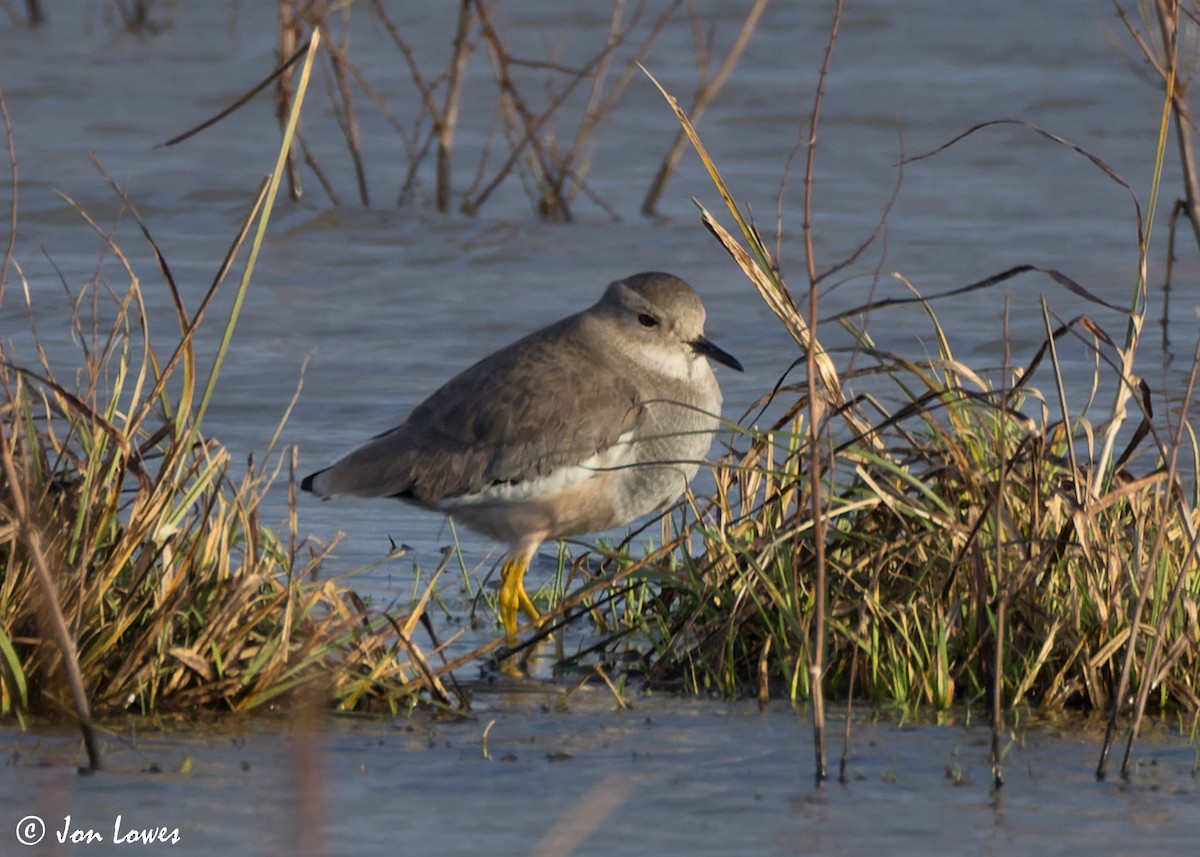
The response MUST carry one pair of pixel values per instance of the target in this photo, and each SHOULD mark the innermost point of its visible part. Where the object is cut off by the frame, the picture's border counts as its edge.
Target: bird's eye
(647, 320)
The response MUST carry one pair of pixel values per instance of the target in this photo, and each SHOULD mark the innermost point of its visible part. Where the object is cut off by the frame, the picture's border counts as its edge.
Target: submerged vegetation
(909, 532)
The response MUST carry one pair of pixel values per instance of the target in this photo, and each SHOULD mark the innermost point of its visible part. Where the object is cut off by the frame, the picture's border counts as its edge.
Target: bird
(585, 425)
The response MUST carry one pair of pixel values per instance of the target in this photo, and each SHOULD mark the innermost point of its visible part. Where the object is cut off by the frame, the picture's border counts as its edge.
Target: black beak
(703, 346)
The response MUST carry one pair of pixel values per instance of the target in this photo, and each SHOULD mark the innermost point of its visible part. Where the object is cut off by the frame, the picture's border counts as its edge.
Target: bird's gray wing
(539, 404)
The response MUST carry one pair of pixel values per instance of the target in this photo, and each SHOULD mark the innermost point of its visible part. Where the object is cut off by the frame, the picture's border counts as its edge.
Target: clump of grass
(967, 496)
(979, 540)
(176, 595)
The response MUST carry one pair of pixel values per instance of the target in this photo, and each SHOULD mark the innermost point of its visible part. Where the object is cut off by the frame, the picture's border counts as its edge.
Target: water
(385, 303)
(667, 776)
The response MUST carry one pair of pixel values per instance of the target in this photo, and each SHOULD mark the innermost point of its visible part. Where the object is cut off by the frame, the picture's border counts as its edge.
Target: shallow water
(667, 776)
(386, 303)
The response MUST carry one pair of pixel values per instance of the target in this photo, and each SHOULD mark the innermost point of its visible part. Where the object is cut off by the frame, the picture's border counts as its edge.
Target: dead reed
(546, 110)
(540, 129)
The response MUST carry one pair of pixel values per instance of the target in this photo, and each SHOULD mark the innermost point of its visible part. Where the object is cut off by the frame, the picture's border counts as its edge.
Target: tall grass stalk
(289, 134)
(1124, 392)
(705, 95)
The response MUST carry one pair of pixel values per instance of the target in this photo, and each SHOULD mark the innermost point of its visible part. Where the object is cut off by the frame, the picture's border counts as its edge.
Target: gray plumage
(580, 426)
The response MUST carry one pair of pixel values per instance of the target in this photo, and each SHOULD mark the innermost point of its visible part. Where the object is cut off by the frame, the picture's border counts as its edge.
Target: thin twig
(1001, 589)
(816, 407)
(289, 46)
(347, 118)
(13, 183)
(296, 56)
(704, 97)
(526, 134)
(446, 121)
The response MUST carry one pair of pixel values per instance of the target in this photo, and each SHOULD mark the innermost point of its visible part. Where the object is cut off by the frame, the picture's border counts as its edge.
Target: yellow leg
(513, 598)
(531, 612)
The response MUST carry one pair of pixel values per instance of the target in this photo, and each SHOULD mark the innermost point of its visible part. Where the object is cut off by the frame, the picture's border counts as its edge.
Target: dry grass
(177, 594)
(978, 541)
(174, 593)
